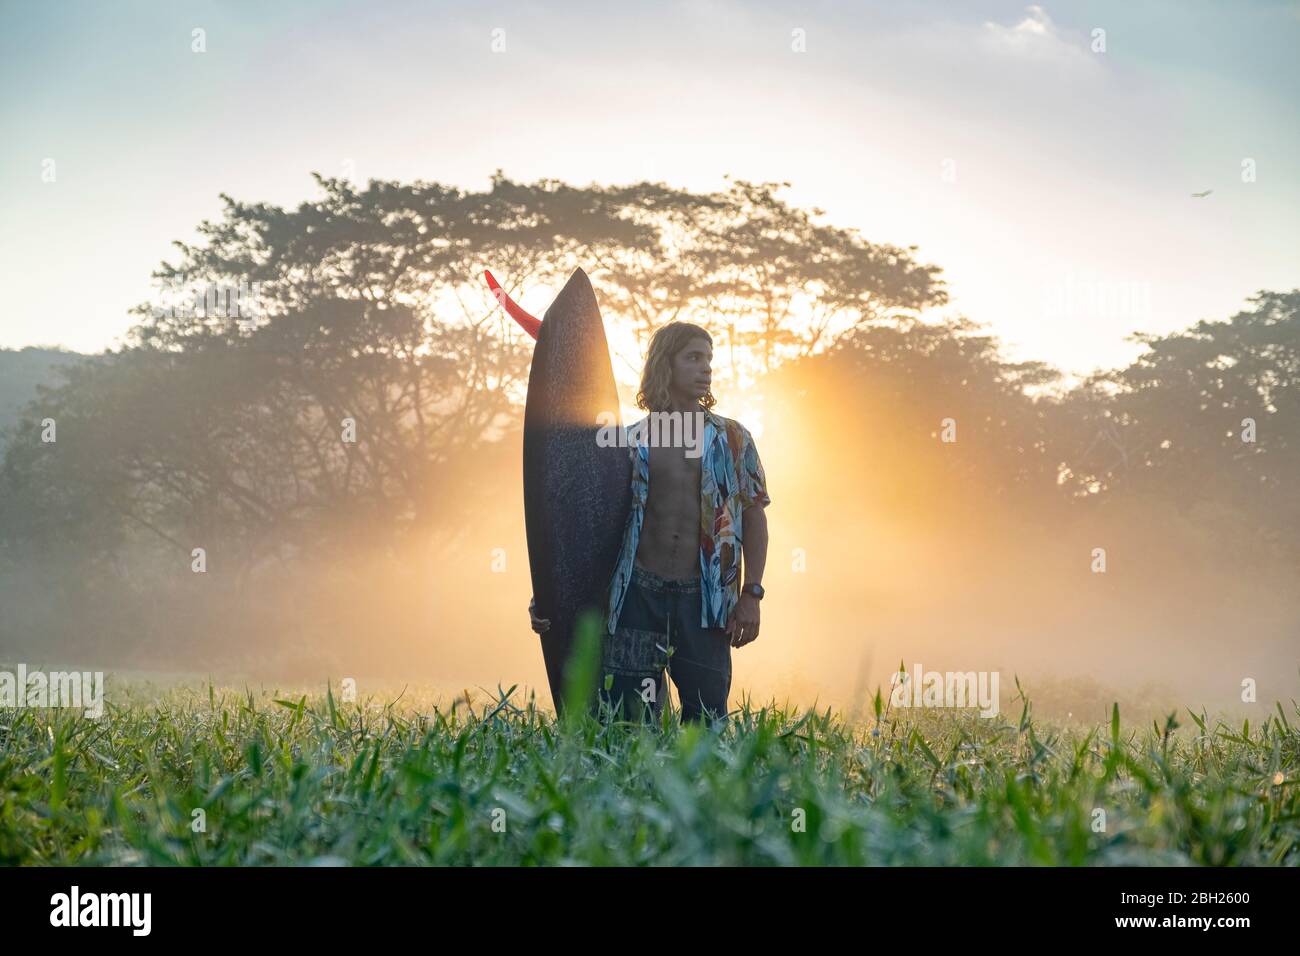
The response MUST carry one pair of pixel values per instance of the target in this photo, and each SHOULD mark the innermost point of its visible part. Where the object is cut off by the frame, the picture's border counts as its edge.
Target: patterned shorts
(658, 636)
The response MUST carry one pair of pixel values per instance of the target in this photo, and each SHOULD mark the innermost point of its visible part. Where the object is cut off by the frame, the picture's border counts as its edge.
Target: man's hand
(539, 624)
(743, 626)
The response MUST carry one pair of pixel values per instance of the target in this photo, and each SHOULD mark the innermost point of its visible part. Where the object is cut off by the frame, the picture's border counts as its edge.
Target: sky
(1047, 167)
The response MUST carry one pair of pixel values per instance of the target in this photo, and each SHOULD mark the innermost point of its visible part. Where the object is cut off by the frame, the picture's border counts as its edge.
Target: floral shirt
(731, 480)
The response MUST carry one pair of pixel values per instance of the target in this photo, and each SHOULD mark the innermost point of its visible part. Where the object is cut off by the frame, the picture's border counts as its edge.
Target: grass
(311, 780)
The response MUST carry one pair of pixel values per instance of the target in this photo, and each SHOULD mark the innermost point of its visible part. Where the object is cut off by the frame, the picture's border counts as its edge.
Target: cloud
(1035, 37)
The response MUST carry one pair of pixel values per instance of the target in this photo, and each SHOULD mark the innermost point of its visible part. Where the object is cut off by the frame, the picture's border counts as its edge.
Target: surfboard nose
(577, 300)
(571, 381)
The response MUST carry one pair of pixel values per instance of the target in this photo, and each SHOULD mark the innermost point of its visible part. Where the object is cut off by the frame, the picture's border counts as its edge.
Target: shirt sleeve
(753, 483)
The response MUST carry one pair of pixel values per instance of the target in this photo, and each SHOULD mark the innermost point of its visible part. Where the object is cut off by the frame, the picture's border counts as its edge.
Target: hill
(21, 370)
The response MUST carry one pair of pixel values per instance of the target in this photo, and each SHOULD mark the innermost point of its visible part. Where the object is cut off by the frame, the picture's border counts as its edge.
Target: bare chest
(674, 475)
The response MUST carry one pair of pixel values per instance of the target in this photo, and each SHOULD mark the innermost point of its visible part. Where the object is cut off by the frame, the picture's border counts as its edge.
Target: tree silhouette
(228, 426)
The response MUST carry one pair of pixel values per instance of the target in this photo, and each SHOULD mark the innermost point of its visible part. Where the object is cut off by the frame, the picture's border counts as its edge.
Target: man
(677, 600)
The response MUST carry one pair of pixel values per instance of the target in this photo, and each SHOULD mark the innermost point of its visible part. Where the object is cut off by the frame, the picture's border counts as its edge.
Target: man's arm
(743, 626)
(754, 549)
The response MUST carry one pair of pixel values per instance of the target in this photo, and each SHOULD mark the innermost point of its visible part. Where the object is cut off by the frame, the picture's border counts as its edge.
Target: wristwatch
(755, 589)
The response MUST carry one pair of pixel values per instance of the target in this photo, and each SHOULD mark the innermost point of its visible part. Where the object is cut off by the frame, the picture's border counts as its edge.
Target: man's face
(693, 368)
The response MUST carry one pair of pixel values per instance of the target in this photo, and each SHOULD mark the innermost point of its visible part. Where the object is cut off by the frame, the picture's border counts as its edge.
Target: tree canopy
(353, 382)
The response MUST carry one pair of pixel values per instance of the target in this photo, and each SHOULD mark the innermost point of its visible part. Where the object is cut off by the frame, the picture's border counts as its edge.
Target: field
(199, 775)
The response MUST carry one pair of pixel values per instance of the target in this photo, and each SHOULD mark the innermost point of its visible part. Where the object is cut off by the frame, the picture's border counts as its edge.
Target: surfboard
(576, 493)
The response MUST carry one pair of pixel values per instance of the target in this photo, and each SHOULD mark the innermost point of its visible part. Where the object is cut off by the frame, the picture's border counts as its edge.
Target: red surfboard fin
(528, 323)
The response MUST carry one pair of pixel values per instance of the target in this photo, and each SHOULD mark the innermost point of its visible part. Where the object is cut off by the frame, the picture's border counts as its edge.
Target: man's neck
(684, 405)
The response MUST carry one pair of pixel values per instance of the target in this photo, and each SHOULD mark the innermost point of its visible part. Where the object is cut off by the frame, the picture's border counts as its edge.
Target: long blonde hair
(657, 376)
